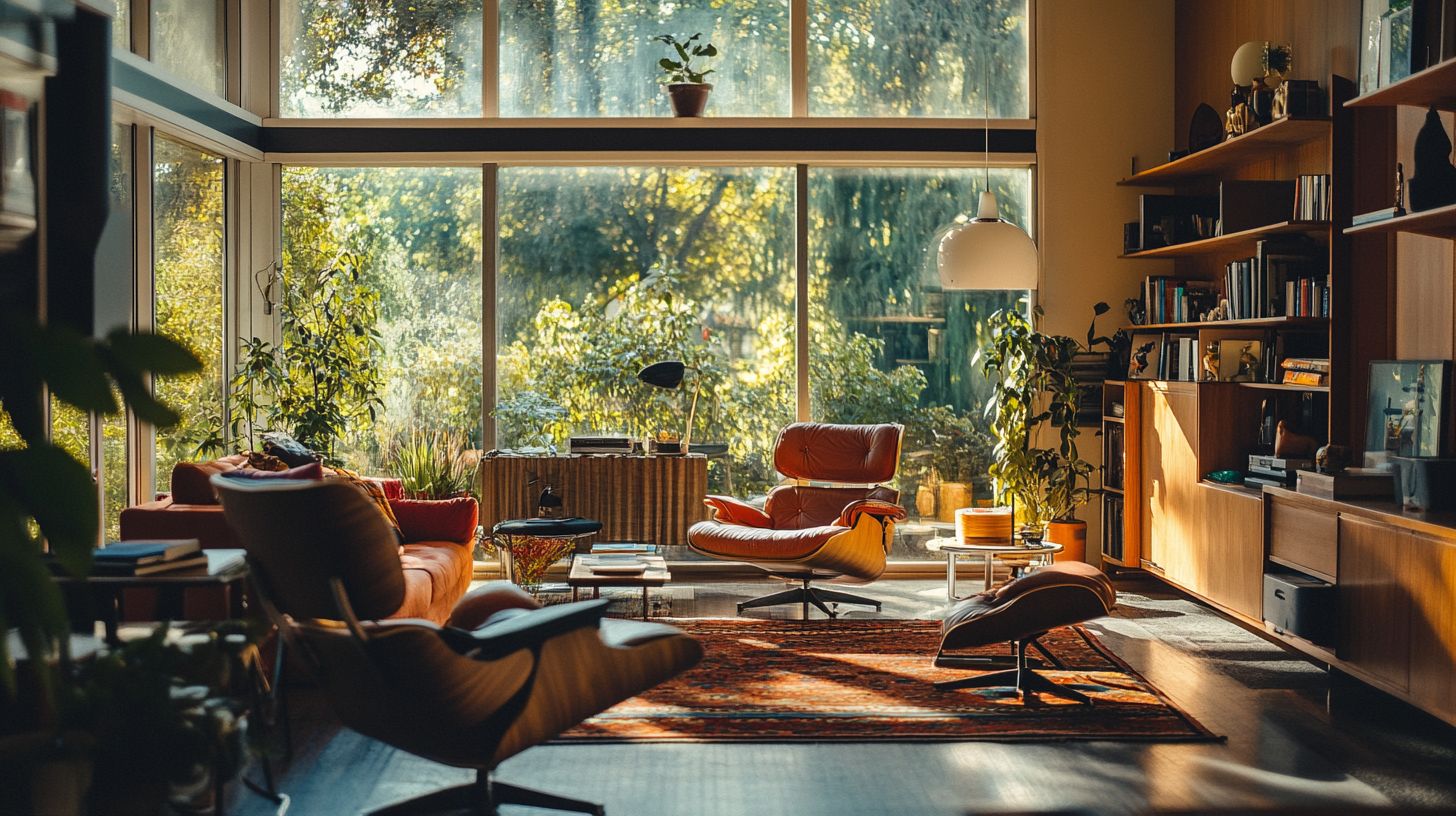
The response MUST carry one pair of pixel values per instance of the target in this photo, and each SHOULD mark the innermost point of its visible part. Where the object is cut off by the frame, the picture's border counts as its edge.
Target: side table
(583, 575)
(988, 554)
(104, 592)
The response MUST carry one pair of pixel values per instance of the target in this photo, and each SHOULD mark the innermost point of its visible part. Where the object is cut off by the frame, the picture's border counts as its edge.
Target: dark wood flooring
(1297, 736)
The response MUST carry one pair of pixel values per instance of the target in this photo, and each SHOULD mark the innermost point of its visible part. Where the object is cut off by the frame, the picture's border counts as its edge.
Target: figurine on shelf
(1332, 458)
(1399, 188)
(1433, 184)
(1248, 364)
(1291, 445)
(1210, 362)
(1239, 119)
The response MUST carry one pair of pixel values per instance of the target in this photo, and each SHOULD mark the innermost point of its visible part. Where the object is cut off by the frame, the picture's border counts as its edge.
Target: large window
(189, 39)
(379, 58)
(605, 270)
(580, 58)
(188, 257)
(413, 237)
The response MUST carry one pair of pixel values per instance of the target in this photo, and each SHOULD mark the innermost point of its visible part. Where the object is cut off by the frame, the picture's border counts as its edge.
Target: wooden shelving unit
(1313, 389)
(1252, 323)
(1238, 243)
(1434, 87)
(1236, 152)
(1438, 223)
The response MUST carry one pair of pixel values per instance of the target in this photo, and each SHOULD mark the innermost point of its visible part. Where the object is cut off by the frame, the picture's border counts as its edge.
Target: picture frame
(1147, 350)
(1240, 360)
(1406, 409)
(1371, 11)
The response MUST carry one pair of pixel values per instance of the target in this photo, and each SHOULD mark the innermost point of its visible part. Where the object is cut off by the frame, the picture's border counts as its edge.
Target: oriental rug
(870, 680)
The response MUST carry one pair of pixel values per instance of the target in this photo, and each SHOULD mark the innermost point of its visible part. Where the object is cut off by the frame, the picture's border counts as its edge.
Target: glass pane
(413, 237)
(8, 436)
(189, 40)
(587, 58)
(890, 346)
(187, 190)
(379, 58)
(918, 58)
(114, 472)
(121, 25)
(605, 270)
(71, 431)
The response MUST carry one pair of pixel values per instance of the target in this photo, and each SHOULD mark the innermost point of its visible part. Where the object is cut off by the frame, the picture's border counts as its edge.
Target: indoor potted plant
(685, 86)
(959, 456)
(1035, 395)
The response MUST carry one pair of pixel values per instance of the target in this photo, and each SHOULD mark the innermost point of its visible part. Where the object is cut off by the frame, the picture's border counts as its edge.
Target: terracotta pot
(689, 98)
(925, 501)
(1072, 535)
(953, 496)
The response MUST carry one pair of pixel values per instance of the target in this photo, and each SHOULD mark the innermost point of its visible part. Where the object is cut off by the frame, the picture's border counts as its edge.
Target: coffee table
(988, 553)
(582, 575)
(103, 592)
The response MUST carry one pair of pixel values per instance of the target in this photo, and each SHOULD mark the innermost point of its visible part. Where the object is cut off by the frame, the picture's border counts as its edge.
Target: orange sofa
(437, 551)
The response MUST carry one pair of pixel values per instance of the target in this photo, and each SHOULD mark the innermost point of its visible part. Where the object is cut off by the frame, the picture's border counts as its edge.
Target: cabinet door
(1374, 599)
(1230, 550)
(1169, 481)
(1433, 623)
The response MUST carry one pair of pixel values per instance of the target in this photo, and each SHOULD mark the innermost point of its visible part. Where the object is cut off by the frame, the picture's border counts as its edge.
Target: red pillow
(189, 481)
(311, 472)
(443, 520)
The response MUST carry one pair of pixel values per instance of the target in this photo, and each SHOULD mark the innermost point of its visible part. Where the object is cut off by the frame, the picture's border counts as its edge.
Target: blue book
(147, 552)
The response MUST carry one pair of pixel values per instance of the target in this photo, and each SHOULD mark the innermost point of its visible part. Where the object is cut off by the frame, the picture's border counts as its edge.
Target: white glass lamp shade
(1251, 62)
(987, 253)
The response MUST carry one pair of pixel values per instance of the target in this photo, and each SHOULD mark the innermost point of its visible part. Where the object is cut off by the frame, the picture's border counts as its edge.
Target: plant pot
(689, 98)
(925, 501)
(1072, 535)
(953, 496)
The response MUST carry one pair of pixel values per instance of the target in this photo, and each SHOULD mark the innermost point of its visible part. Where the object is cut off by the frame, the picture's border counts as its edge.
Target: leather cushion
(189, 479)
(754, 544)
(436, 575)
(1062, 573)
(166, 518)
(856, 454)
(797, 508)
(443, 520)
(1058, 595)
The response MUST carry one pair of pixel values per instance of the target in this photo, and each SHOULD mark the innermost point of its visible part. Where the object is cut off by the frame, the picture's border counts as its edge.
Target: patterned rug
(866, 680)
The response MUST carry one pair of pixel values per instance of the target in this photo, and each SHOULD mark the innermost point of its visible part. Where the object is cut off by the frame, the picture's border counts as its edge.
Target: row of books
(1172, 300)
(137, 558)
(1312, 198)
(1179, 361)
(1266, 285)
(1306, 371)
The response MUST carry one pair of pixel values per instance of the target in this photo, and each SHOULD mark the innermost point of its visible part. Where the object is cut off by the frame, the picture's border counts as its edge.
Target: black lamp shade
(666, 374)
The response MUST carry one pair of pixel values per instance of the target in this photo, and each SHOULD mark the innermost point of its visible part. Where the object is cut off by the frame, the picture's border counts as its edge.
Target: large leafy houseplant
(325, 374)
(1033, 415)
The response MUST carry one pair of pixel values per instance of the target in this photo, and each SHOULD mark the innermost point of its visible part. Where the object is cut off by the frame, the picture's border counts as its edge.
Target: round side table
(529, 546)
(988, 554)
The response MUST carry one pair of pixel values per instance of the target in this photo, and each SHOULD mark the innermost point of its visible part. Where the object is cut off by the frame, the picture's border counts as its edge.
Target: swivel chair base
(807, 595)
(1025, 680)
(483, 797)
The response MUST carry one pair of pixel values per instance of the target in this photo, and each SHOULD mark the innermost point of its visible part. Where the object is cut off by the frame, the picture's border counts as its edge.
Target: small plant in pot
(685, 85)
(1033, 413)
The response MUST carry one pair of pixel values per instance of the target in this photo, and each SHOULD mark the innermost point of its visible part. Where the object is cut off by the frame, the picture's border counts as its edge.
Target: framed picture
(1371, 12)
(1405, 409)
(1240, 360)
(1147, 349)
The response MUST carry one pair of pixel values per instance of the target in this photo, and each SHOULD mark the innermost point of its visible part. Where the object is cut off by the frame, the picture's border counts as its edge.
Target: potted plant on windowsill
(685, 85)
(1036, 395)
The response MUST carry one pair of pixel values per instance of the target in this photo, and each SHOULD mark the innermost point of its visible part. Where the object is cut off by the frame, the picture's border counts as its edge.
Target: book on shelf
(1304, 378)
(1319, 364)
(1312, 198)
(1377, 216)
(142, 553)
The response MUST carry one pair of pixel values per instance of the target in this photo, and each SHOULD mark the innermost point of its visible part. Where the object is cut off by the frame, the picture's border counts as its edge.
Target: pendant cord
(986, 128)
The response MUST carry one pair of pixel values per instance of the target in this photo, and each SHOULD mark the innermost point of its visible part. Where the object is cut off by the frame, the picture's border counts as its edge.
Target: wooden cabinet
(1230, 551)
(1168, 420)
(1303, 538)
(1433, 623)
(1375, 599)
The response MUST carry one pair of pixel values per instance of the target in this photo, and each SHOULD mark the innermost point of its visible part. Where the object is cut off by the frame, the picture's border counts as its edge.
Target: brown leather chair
(500, 677)
(1019, 612)
(808, 530)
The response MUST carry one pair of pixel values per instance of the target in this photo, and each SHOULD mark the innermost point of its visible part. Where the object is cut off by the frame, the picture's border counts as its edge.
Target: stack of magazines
(148, 557)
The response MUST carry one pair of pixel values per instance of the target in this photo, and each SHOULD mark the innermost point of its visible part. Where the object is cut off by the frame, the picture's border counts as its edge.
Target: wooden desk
(645, 499)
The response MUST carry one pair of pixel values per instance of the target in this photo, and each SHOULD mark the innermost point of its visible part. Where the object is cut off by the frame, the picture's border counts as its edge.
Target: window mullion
(799, 56)
(490, 62)
(801, 298)
(490, 266)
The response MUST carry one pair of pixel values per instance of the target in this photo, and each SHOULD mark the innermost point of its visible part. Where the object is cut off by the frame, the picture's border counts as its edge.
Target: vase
(1072, 535)
(531, 556)
(925, 501)
(953, 496)
(689, 98)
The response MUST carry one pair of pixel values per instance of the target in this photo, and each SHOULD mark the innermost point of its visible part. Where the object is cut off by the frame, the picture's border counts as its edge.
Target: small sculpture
(1239, 120)
(1210, 362)
(1399, 188)
(1433, 184)
(1291, 445)
(1248, 364)
(1332, 458)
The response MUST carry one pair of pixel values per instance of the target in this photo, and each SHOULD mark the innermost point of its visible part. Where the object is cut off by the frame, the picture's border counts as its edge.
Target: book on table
(103, 569)
(141, 553)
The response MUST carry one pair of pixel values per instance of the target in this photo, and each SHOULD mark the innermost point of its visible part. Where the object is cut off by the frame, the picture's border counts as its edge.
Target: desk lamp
(668, 374)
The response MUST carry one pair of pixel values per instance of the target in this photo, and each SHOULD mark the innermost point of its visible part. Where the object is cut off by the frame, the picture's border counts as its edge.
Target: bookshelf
(1251, 323)
(1254, 146)
(1437, 223)
(1435, 87)
(1235, 244)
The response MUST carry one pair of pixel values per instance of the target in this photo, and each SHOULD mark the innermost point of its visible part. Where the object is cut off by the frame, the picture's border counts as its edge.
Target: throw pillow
(262, 461)
(287, 449)
(376, 492)
(442, 520)
(311, 472)
(189, 480)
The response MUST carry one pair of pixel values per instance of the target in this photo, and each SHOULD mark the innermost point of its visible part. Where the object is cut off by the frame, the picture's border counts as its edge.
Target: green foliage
(681, 70)
(45, 494)
(324, 376)
(1034, 391)
(960, 450)
(431, 464)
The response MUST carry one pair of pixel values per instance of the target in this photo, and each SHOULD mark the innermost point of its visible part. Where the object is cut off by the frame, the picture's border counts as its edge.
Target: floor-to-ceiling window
(189, 39)
(189, 230)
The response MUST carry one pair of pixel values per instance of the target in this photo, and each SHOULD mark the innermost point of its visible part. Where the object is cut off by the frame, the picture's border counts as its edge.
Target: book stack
(148, 557)
(1171, 300)
(1308, 297)
(1312, 198)
(1282, 279)
(1306, 371)
(1179, 361)
(1275, 471)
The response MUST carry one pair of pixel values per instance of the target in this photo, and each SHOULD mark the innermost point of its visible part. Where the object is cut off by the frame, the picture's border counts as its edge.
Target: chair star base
(484, 797)
(808, 595)
(1025, 680)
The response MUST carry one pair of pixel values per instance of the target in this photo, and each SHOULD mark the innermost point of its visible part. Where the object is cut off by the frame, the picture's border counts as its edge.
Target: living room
(708, 389)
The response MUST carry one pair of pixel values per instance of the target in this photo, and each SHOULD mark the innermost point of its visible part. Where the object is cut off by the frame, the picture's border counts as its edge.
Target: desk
(646, 499)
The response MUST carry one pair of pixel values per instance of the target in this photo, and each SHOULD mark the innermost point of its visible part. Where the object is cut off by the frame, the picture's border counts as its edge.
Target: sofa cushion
(436, 574)
(189, 479)
(311, 472)
(168, 519)
(443, 520)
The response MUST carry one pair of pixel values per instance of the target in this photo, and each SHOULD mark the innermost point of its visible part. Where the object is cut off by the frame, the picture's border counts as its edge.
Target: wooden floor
(1297, 735)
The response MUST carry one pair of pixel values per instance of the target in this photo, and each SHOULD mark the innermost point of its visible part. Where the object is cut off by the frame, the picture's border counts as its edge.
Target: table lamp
(669, 374)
